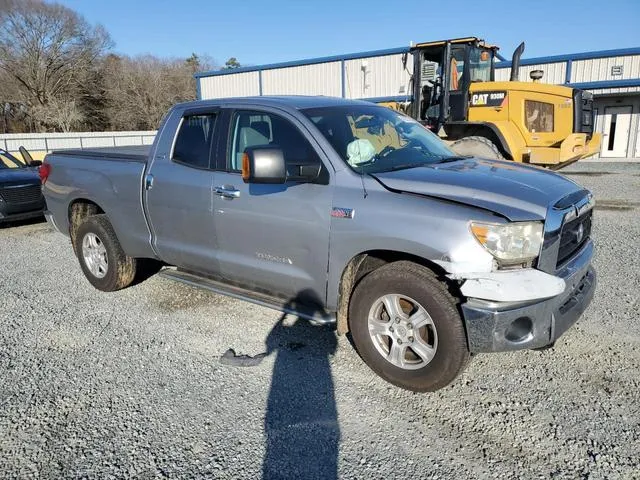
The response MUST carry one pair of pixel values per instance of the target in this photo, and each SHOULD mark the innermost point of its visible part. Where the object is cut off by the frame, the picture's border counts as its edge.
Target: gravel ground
(130, 384)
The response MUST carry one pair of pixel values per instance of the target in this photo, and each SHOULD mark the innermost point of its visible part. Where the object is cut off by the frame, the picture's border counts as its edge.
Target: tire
(101, 257)
(477, 146)
(443, 331)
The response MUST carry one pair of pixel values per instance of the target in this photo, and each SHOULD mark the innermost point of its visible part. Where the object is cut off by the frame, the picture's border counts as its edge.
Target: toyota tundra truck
(340, 212)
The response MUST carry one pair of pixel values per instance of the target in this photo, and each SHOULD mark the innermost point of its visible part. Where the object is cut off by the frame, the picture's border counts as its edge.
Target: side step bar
(312, 315)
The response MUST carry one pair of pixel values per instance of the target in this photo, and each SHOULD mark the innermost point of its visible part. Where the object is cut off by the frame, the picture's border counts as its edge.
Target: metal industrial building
(613, 76)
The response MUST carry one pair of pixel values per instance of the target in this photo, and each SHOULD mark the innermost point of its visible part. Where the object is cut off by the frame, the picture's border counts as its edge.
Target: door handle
(148, 182)
(227, 191)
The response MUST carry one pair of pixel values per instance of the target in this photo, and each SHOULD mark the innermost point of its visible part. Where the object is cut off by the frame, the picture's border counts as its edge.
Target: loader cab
(443, 72)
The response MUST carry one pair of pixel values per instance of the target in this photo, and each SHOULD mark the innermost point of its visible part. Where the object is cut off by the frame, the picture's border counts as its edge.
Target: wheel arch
(79, 209)
(366, 262)
(457, 130)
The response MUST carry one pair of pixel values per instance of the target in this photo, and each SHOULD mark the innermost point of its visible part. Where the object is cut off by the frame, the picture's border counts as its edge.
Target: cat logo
(488, 99)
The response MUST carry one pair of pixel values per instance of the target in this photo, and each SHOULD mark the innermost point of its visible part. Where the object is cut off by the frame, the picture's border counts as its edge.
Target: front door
(615, 134)
(273, 238)
(178, 197)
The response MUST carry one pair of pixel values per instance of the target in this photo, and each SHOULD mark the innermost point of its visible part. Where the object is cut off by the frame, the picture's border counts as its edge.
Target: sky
(267, 31)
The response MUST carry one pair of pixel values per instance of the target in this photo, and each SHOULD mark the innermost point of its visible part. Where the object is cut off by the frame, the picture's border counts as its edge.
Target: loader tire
(477, 146)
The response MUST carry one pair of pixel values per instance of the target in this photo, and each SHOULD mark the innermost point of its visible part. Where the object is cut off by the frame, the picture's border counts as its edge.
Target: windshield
(373, 139)
(7, 160)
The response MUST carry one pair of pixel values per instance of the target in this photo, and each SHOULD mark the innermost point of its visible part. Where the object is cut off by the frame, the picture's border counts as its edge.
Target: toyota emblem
(580, 233)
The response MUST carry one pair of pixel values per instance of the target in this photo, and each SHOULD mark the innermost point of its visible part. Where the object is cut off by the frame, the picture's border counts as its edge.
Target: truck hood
(517, 192)
(18, 176)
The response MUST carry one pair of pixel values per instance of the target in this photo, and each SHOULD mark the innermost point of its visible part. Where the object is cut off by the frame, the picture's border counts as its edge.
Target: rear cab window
(194, 140)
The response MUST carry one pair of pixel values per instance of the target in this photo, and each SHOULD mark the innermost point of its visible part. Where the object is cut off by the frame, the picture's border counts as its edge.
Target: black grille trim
(569, 242)
(21, 194)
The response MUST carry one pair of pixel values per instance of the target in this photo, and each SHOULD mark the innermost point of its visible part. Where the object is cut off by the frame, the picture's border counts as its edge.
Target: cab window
(457, 68)
(193, 142)
(480, 65)
(258, 129)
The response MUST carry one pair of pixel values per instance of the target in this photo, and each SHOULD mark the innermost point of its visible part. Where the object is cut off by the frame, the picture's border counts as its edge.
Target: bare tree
(140, 90)
(63, 114)
(48, 50)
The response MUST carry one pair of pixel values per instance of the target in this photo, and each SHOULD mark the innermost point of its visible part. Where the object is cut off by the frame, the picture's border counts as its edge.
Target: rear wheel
(406, 326)
(101, 257)
(477, 146)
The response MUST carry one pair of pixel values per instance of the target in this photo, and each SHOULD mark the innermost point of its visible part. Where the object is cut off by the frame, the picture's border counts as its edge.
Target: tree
(63, 114)
(193, 63)
(49, 51)
(231, 63)
(140, 90)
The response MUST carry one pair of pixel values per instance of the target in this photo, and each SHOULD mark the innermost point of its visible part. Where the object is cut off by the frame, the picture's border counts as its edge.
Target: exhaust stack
(515, 62)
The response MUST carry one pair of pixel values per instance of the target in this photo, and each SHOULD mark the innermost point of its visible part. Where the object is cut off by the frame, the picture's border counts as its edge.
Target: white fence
(45, 142)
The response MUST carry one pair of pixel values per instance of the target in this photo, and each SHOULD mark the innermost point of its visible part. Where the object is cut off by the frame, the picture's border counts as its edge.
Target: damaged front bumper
(495, 326)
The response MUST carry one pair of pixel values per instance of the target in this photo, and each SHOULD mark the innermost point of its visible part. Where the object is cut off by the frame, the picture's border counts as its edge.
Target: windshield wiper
(405, 166)
(454, 158)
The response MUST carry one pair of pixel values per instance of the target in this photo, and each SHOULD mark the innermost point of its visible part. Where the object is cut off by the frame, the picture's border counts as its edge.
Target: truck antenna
(364, 189)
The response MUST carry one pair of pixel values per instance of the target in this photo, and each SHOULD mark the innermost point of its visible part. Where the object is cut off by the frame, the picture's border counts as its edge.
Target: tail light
(44, 171)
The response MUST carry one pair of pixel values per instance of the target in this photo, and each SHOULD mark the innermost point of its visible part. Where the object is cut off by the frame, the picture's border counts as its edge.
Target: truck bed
(134, 153)
(109, 177)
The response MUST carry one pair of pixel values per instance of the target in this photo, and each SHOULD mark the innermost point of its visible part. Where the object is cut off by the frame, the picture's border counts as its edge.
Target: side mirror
(26, 156)
(35, 163)
(267, 164)
(264, 165)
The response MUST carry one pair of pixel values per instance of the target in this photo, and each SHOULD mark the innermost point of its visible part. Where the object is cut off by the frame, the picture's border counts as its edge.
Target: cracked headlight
(510, 243)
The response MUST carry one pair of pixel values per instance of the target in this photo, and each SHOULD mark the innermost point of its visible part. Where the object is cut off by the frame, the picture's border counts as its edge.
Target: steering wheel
(384, 152)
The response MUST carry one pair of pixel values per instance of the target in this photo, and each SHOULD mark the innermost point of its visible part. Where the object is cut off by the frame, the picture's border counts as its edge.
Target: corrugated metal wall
(583, 71)
(318, 79)
(243, 84)
(601, 69)
(384, 77)
(554, 73)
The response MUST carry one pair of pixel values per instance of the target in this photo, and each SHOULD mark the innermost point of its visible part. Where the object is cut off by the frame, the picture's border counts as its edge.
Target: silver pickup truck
(340, 212)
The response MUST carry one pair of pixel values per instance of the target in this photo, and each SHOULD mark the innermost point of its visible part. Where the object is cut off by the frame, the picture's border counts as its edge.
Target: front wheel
(406, 327)
(477, 146)
(101, 257)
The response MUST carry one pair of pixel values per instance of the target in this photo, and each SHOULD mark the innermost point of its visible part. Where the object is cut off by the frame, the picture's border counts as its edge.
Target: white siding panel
(244, 84)
(55, 143)
(385, 77)
(31, 144)
(97, 142)
(598, 69)
(317, 79)
(50, 141)
(611, 91)
(554, 73)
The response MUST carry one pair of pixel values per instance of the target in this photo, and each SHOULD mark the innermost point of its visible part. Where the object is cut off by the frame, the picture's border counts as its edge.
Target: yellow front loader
(455, 95)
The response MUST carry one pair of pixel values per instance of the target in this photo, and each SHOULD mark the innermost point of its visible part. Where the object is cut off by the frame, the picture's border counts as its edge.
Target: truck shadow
(301, 426)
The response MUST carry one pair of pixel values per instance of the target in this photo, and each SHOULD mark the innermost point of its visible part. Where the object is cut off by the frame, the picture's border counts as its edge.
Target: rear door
(178, 191)
(273, 238)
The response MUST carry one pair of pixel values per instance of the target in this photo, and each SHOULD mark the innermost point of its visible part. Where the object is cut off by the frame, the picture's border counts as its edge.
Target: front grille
(21, 194)
(574, 234)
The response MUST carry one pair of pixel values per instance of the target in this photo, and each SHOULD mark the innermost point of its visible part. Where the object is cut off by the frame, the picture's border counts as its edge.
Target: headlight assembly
(510, 243)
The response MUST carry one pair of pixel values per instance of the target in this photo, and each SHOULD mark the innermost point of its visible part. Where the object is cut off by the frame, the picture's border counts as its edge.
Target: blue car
(20, 188)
